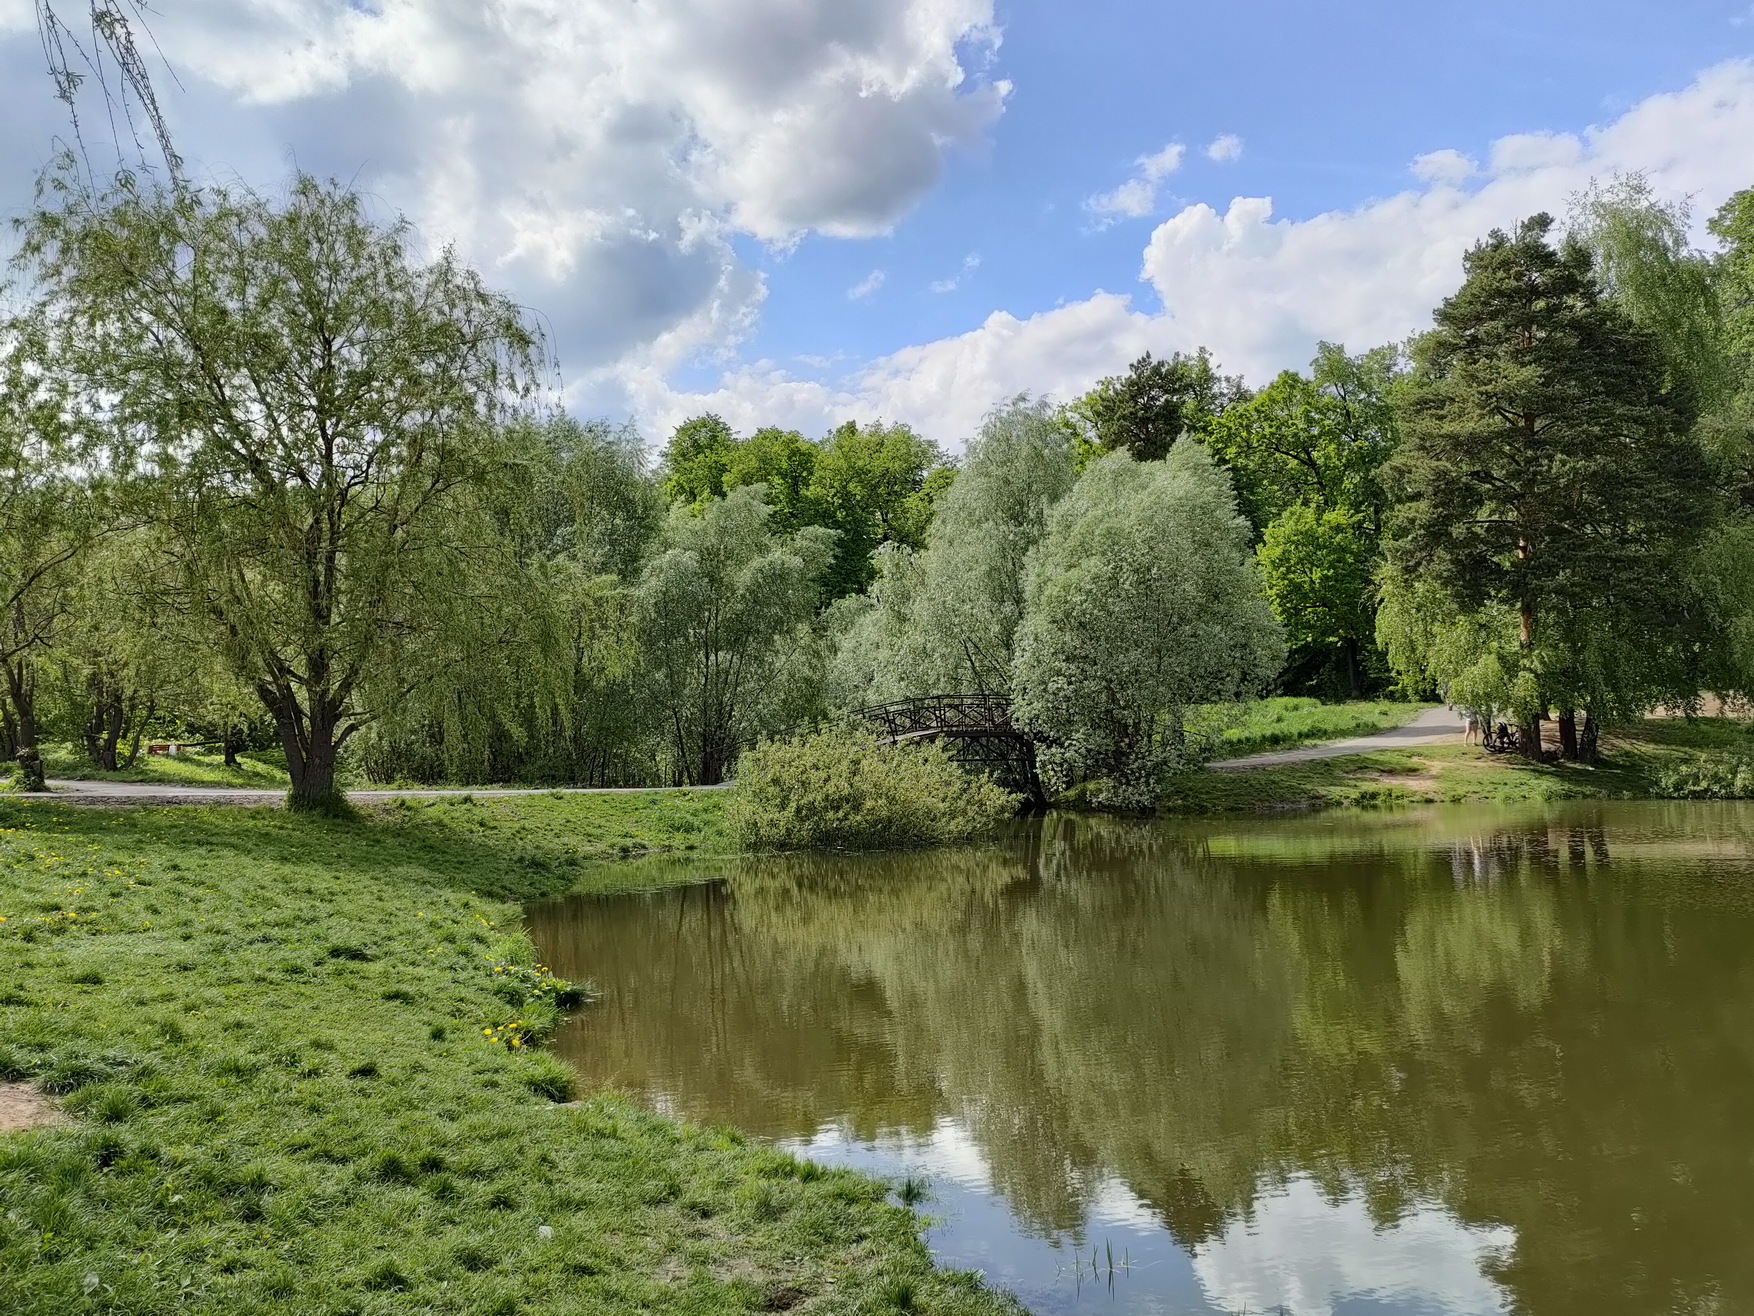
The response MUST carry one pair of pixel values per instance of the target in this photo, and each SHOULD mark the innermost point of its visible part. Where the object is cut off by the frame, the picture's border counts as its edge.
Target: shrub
(838, 789)
(1708, 777)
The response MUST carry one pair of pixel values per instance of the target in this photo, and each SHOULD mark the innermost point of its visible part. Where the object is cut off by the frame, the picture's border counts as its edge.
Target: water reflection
(1453, 1061)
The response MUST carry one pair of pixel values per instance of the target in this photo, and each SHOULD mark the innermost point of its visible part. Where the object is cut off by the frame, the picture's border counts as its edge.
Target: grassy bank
(1632, 760)
(300, 1057)
(1280, 723)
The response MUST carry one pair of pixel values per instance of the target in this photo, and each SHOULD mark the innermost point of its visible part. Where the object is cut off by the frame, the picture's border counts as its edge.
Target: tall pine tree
(1547, 467)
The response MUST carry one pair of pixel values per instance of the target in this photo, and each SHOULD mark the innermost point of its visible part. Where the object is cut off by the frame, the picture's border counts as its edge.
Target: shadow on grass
(516, 850)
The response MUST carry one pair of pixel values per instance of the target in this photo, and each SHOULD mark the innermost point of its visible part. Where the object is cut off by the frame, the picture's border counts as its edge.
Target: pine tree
(1547, 467)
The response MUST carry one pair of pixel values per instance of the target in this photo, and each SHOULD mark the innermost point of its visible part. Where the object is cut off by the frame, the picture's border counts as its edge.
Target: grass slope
(264, 770)
(1279, 723)
(302, 1059)
(1630, 761)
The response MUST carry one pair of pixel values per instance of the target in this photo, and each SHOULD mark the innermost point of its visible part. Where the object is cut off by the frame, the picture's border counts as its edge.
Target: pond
(1458, 1060)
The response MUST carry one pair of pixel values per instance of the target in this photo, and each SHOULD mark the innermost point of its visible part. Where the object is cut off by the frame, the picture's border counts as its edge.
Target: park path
(147, 792)
(1435, 726)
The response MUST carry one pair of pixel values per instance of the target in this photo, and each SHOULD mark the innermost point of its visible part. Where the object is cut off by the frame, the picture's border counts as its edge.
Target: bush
(839, 789)
(1708, 777)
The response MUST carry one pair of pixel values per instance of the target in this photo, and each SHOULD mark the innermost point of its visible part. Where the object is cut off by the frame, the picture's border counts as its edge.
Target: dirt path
(120, 793)
(1435, 726)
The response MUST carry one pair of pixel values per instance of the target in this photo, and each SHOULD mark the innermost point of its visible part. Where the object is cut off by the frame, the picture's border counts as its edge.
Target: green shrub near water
(1708, 777)
(839, 789)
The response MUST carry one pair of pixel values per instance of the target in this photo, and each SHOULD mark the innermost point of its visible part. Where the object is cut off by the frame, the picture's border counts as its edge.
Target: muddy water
(1460, 1060)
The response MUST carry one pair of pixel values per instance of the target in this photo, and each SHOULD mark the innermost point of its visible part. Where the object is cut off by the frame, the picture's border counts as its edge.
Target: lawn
(1269, 724)
(302, 1062)
(1632, 758)
(256, 768)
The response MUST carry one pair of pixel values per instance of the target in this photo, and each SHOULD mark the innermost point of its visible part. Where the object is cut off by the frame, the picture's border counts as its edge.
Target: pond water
(1461, 1060)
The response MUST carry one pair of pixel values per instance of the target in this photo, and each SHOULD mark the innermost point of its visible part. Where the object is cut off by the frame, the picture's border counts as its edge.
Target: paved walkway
(148, 792)
(1435, 726)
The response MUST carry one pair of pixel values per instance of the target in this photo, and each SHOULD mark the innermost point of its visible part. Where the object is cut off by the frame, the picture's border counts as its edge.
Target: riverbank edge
(301, 1062)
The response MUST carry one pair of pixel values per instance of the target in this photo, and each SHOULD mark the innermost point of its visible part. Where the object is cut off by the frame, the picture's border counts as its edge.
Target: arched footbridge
(976, 729)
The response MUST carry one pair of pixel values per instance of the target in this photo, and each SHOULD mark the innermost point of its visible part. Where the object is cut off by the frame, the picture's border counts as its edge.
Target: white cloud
(1446, 166)
(1261, 291)
(970, 264)
(1225, 148)
(1137, 197)
(867, 285)
(595, 157)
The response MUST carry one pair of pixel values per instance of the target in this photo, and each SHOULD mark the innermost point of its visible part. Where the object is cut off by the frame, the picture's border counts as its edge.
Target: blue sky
(1331, 107)
(691, 191)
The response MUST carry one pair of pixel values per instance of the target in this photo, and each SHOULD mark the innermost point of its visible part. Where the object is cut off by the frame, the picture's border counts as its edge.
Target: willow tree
(724, 611)
(49, 516)
(1144, 603)
(324, 410)
(944, 620)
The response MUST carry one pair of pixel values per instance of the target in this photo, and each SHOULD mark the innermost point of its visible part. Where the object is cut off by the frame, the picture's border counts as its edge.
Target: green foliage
(723, 613)
(1318, 567)
(1144, 604)
(1144, 411)
(1709, 777)
(1548, 469)
(946, 619)
(325, 414)
(1305, 454)
(871, 484)
(839, 789)
(1645, 260)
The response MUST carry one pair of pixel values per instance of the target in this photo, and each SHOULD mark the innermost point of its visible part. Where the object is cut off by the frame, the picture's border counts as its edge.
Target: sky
(799, 212)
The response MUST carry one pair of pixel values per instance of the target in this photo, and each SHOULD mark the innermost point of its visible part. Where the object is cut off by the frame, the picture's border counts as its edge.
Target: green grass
(301, 1056)
(1269, 724)
(259, 768)
(1631, 759)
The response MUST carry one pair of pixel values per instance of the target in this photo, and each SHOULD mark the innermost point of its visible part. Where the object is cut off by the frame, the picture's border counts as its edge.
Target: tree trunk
(1568, 734)
(312, 737)
(8, 733)
(233, 743)
(21, 691)
(1587, 744)
(1529, 735)
(1354, 676)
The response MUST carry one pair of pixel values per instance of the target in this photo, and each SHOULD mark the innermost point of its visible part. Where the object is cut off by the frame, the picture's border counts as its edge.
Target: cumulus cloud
(1261, 291)
(1446, 166)
(1225, 148)
(596, 157)
(1137, 197)
(867, 285)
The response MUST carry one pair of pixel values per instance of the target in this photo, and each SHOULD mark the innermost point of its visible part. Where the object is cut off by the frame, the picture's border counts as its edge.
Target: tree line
(270, 476)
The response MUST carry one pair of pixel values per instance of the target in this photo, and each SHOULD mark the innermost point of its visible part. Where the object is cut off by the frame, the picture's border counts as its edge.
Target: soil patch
(23, 1107)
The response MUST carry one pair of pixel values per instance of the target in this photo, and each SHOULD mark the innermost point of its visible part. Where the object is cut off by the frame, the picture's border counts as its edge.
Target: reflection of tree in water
(1501, 1018)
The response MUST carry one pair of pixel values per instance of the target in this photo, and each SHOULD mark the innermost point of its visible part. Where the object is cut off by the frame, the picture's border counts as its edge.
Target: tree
(1144, 602)
(1645, 261)
(1151, 406)
(1547, 465)
(784, 463)
(1319, 568)
(723, 622)
(697, 459)
(326, 413)
(945, 619)
(873, 485)
(51, 510)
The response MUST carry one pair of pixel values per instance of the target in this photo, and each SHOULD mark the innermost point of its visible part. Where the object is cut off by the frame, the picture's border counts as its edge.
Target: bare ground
(23, 1107)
